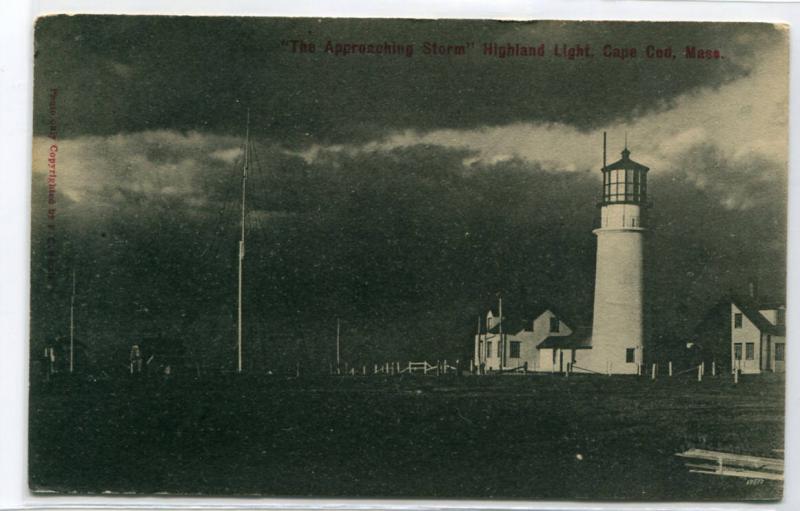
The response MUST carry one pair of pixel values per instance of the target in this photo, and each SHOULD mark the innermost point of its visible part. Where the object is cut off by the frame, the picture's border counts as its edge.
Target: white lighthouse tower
(618, 328)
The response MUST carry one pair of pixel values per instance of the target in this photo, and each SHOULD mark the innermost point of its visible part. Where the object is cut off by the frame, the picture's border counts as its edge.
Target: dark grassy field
(512, 437)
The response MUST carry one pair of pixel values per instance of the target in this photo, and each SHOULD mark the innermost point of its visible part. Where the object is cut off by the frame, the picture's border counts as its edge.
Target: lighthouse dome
(626, 163)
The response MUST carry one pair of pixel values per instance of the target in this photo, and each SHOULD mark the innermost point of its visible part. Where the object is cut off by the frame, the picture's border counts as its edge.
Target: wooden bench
(734, 465)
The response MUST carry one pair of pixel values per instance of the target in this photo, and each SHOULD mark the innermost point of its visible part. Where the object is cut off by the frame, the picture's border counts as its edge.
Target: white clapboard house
(745, 334)
(542, 341)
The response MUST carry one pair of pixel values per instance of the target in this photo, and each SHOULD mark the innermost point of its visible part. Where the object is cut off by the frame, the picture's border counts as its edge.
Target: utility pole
(72, 326)
(338, 326)
(479, 344)
(241, 244)
(500, 330)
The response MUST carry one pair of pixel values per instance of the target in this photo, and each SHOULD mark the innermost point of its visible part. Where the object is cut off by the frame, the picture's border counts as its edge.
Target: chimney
(753, 289)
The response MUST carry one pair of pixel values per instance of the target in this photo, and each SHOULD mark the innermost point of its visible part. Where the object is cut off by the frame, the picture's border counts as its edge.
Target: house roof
(510, 326)
(580, 339)
(543, 307)
(750, 308)
(626, 163)
(770, 305)
(521, 318)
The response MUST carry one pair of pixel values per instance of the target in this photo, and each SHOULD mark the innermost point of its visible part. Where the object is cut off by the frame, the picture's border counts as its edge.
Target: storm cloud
(127, 73)
(399, 194)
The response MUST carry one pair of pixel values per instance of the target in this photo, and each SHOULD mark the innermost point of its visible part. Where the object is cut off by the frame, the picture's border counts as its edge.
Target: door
(768, 357)
(750, 360)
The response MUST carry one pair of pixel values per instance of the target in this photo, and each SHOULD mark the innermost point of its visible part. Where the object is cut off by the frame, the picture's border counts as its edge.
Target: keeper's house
(545, 343)
(745, 334)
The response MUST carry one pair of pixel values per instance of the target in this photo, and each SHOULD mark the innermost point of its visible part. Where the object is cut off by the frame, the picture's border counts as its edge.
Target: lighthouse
(618, 325)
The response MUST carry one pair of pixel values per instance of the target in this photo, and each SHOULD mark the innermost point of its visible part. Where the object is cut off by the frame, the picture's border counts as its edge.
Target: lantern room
(624, 182)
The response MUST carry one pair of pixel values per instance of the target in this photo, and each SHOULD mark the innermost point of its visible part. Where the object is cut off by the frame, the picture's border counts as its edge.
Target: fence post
(700, 372)
(670, 367)
(375, 369)
(713, 368)
(735, 376)
(653, 370)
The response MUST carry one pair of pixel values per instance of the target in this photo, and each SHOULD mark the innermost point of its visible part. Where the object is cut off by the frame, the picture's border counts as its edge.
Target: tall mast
(241, 244)
(72, 326)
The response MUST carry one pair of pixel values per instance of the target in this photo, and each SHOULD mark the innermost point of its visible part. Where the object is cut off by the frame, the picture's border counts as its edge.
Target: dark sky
(398, 193)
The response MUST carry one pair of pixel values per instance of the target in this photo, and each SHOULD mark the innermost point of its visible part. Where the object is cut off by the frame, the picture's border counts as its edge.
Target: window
(624, 185)
(630, 355)
(515, 349)
(554, 323)
(779, 351)
(749, 351)
(737, 320)
(737, 351)
(489, 349)
(781, 317)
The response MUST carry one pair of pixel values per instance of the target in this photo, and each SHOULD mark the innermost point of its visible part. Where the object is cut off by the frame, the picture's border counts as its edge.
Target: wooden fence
(440, 368)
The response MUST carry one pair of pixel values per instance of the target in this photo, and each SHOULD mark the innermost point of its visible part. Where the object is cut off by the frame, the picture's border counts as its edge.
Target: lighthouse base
(606, 361)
